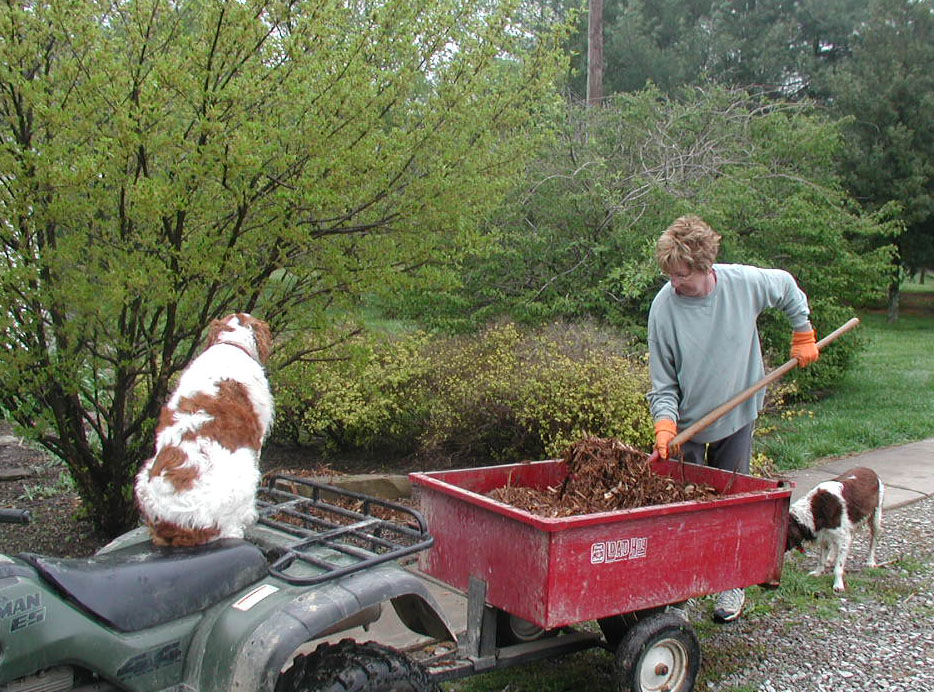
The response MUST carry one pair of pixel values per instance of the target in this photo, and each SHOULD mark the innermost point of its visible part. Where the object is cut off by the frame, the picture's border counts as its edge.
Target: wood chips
(604, 475)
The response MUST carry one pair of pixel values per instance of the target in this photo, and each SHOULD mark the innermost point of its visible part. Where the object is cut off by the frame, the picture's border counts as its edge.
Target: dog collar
(240, 346)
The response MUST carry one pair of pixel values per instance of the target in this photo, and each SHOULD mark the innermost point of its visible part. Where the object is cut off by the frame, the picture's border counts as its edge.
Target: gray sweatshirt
(704, 351)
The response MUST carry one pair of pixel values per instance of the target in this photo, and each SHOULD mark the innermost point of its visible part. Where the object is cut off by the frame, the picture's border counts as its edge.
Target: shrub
(500, 394)
(821, 377)
(511, 394)
(362, 397)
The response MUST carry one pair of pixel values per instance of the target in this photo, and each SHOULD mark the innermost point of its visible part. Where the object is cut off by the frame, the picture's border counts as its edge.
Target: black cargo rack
(337, 531)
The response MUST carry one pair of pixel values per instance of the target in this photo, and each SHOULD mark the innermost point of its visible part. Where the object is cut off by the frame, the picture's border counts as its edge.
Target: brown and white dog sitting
(201, 483)
(830, 512)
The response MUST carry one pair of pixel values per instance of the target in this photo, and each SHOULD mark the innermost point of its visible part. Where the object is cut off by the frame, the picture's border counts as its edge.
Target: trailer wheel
(352, 667)
(615, 627)
(658, 653)
(511, 629)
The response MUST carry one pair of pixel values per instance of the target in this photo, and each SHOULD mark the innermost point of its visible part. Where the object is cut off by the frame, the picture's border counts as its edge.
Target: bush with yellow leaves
(362, 396)
(508, 394)
(502, 394)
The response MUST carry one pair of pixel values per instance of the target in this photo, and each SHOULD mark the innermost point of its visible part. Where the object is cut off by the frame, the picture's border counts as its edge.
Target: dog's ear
(797, 534)
(263, 337)
(214, 331)
(827, 510)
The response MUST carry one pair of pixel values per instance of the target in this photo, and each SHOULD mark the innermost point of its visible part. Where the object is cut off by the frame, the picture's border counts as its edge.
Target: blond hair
(689, 241)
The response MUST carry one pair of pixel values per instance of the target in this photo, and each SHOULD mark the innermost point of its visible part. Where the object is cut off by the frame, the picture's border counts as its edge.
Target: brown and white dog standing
(830, 512)
(201, 483)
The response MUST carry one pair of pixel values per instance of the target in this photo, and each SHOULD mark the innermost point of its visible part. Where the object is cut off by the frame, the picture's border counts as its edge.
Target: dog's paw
(816, 572)
(839, 588)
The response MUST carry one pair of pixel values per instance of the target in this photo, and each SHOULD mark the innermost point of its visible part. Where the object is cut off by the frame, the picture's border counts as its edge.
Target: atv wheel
(352, 667)
(660, 653)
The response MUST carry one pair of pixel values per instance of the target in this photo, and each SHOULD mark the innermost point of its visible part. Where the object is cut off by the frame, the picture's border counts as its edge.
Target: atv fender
(246, 650)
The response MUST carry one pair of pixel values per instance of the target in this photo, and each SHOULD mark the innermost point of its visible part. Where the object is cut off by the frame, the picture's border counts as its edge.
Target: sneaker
(729, 605)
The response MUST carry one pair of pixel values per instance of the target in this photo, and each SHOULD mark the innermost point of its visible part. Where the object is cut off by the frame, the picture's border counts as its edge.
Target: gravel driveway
(879, 635)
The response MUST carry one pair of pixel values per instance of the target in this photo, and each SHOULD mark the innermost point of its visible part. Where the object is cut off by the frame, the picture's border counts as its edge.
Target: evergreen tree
(885, 92)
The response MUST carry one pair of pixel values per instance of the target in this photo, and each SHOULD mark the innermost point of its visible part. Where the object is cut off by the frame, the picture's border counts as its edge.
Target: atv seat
(144, 586)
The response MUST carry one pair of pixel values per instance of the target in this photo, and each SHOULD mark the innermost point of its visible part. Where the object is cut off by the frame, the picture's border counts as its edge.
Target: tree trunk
(894, 293)
(106, 486)
(595, 53)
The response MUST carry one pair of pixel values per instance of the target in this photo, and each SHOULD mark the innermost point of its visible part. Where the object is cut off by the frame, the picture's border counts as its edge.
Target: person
(704, 349)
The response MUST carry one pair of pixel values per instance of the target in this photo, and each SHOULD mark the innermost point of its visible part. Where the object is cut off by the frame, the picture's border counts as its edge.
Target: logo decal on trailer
(603, 552)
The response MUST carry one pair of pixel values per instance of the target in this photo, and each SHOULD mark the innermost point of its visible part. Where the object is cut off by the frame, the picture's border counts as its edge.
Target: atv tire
(352, 667)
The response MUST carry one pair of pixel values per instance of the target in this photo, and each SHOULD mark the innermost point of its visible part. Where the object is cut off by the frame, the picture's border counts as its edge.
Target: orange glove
(665, 430)
(804, 347)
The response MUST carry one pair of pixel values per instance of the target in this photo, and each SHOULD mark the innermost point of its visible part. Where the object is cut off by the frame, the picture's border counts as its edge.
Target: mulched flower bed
(604, 475)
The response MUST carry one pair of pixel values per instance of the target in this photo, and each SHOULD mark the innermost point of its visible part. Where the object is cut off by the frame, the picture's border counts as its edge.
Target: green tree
(779, 47)
(578, 237)
(661, 42)
(166, 162)
(886, 92)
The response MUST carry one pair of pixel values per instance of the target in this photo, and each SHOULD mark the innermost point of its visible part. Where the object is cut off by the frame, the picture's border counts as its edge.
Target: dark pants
(730, 454)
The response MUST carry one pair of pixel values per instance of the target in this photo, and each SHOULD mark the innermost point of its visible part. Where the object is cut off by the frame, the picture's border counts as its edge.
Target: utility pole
(595, 52)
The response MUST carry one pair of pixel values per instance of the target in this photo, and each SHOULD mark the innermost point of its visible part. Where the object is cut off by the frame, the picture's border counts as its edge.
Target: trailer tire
(658, 653)
(352, 667)
(615, 627)
(511, 629)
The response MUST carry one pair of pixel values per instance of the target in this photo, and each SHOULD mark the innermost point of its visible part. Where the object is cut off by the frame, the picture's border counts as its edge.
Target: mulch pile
(604, 475)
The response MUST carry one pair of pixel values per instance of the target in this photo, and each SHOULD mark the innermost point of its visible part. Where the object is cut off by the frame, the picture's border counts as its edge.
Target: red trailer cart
(526, 575)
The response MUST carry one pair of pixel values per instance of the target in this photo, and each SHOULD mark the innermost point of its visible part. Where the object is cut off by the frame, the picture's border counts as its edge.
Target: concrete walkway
(906, 470)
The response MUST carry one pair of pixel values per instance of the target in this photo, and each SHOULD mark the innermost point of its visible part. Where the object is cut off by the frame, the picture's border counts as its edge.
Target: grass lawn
(887, 399)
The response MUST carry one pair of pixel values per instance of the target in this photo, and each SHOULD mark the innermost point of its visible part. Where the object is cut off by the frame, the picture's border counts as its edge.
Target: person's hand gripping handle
(665, 430)
(804, 347)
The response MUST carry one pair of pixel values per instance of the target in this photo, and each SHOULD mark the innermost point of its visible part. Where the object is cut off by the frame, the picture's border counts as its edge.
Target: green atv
(231, 615)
